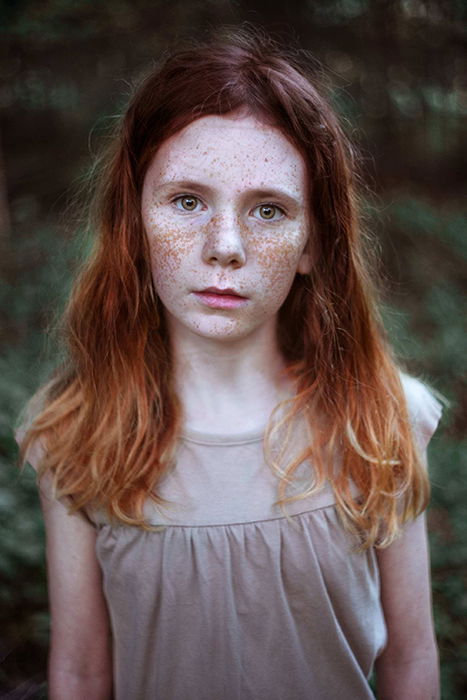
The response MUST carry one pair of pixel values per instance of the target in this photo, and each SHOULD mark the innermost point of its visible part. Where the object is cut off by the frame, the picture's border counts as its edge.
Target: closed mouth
(221, 292)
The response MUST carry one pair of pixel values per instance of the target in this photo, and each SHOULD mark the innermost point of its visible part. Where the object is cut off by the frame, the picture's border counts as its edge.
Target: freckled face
(223, 206)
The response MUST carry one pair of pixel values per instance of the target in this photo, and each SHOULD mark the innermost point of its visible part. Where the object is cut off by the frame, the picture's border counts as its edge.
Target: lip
(218, 298)
(224, 292)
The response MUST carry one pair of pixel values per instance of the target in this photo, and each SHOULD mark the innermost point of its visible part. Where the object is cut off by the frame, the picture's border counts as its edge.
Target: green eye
(269, 212)
(187, 203)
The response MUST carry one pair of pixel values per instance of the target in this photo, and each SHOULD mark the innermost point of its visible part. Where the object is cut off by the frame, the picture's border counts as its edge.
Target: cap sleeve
(36, 451)
(424, 409)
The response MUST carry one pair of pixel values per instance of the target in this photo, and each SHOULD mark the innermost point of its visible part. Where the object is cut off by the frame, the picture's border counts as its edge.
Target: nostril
(233, 260)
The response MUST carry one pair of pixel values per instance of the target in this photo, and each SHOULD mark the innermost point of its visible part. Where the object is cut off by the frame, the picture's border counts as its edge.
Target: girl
(231, 464)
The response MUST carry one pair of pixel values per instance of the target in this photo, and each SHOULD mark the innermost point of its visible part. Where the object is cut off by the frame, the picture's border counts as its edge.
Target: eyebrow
(256, 193)
(277, 193)
(181, 185)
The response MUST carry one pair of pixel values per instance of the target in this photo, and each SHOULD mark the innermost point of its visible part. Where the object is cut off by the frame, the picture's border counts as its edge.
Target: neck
(228, 386)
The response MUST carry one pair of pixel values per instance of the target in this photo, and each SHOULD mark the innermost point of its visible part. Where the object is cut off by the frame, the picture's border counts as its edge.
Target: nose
(224, 244)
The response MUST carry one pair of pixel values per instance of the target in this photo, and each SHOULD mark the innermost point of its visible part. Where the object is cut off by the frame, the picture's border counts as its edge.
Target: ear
(304, 264)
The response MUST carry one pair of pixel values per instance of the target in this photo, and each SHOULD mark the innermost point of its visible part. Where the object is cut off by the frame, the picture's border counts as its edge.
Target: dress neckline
(202, 438)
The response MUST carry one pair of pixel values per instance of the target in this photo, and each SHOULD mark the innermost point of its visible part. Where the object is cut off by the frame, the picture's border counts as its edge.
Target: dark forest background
(398, 71)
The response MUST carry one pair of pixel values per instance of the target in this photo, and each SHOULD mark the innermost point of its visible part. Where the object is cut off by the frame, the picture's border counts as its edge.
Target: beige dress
(230, 600)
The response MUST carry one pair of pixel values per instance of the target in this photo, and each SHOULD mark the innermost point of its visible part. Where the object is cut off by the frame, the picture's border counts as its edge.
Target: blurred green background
(398, 72)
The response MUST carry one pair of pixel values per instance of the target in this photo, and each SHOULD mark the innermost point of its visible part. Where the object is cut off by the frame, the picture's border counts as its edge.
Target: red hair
(111, 416)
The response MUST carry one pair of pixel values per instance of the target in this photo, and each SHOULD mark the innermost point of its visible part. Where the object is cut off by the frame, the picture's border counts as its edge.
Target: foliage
(23, 617)
(24, 620)
(428, 332)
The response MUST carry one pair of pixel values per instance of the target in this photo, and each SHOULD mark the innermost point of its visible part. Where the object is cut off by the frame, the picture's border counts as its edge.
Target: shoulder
(35, 450)
(424, 409)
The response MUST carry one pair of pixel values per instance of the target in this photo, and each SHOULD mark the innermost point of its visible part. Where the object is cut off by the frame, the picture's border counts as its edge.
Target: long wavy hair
(110, 416)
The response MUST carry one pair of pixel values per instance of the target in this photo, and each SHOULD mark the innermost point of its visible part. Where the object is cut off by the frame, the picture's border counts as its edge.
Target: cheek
(169, 248)
(278, 261)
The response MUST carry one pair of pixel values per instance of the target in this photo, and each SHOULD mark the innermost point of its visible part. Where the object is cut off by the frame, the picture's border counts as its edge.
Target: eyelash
(267, 205)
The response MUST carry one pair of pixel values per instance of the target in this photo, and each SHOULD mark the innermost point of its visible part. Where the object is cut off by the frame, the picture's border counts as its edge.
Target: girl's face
(224, 208)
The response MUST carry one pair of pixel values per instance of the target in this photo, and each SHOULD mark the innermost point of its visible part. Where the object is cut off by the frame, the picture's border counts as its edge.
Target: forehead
(235, 149)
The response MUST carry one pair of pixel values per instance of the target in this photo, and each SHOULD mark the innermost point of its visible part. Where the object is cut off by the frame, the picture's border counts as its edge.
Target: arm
(80, 655)
(408, 667)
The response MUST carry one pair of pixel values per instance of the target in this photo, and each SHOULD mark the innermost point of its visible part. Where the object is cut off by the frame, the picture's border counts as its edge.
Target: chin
(215, 326)
(221, 330)
(221, 333)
